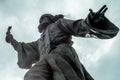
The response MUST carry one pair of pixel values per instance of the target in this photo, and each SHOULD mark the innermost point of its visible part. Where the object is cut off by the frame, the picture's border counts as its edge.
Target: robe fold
(53, 55)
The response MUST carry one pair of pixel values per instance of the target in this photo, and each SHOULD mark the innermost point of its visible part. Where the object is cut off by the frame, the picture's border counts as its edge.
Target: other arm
(27, 52)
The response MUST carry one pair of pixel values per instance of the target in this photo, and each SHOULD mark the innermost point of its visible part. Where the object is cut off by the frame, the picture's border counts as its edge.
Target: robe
(53, 56)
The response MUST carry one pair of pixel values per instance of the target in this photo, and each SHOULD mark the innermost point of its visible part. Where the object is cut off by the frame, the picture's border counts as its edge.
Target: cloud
(23, 15)
(101, 51)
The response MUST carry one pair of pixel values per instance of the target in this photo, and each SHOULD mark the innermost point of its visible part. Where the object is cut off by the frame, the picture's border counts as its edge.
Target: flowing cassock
(53, 56)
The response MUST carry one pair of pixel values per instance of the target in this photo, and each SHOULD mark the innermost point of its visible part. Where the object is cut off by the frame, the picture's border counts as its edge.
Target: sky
(100, 57)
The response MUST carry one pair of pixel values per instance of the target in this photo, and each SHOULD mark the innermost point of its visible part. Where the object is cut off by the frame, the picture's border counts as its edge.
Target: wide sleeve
(82, 28)
(27, 53)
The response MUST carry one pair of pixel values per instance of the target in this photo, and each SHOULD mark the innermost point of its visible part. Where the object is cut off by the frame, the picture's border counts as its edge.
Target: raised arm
(27, 52)
(95, 25)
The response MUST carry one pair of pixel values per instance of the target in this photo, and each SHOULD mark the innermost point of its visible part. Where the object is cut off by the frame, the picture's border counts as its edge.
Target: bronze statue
(52, 54)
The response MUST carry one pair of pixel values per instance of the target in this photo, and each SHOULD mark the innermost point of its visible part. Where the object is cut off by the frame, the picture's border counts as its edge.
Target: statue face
(44, 22)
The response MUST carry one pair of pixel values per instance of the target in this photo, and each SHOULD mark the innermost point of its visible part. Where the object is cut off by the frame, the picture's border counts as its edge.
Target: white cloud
(24, 14)
(102, 51)
(77, 8)
(11, 72)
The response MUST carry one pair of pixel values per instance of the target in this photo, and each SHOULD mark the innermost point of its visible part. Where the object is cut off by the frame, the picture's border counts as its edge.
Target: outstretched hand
(96, 18)
(8, 35)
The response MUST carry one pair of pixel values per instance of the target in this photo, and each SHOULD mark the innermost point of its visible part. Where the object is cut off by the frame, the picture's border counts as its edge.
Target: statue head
(47, 19)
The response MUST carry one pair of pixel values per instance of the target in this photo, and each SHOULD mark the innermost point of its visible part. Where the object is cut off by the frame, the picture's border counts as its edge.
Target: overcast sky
(100, 57)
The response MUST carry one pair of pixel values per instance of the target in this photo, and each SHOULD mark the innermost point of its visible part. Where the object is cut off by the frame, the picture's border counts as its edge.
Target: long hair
(51, 17)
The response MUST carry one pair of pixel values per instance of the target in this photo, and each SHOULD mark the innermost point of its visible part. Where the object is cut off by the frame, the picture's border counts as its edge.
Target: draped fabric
(53, 57)
(64, 64)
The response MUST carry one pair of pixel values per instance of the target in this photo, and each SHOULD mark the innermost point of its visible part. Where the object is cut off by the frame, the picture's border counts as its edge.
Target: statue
(52, 54)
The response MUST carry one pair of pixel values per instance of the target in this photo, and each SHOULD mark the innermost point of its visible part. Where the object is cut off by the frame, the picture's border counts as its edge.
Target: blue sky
(100, 57)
